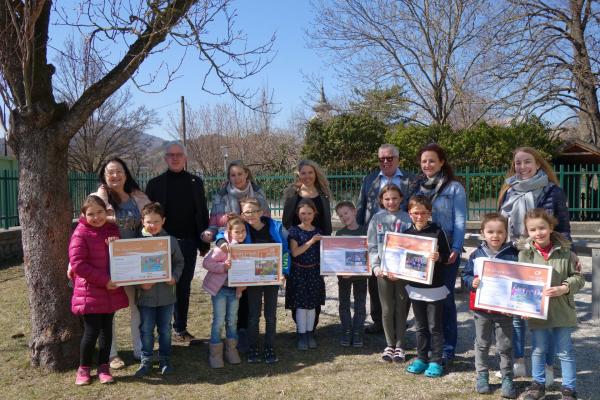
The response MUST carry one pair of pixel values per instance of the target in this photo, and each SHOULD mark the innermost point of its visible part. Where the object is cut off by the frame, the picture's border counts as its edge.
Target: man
(368, 205)
(183, 198)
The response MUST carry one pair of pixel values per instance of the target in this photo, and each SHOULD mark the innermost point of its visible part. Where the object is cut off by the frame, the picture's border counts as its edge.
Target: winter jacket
(507, 252)
(88, 256)
(368, 198)
(161, 293)
(217, 275)
(561, 309)
(433, 230)
(382, 222)
(321, 221)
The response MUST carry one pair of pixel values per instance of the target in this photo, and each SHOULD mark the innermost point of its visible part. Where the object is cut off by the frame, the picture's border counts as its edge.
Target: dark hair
(307, 203)
(153, 208)
(91, 200)
(420, 199)
(345, 203)
(240, 164)
(390, 187)
(494, 216)
(130, 183)
(541, 214)
(441, 153)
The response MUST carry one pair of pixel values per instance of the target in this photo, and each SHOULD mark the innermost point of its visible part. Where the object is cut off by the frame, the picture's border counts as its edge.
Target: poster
(137, 261)
(255, 264)
(344, 255)
(407, 257)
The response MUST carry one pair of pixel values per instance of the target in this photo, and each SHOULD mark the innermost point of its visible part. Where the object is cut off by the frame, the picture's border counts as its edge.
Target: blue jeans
(519, 339)
(189, 249)
(542, 339)
(161, 318)
(449, 323)
(225, 308)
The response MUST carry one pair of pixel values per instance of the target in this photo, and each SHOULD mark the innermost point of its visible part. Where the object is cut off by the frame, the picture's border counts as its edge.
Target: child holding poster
(305, 287)
(392, 291)
(225, 299)
(494, 229)
(545, 246)
(427, 300)
(95, 296)
(352, 328)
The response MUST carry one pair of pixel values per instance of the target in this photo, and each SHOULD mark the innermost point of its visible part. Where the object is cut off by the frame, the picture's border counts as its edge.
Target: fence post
(561, 173)
(5, 200)
(467, 188)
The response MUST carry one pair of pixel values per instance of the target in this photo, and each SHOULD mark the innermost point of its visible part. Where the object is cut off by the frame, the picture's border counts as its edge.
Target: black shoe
(312, 343)
(253, 356)
(270, 356)
(346, 338)
(568, 394)
(357, 339)
(374, 329)
(302, 342)
(535, 392)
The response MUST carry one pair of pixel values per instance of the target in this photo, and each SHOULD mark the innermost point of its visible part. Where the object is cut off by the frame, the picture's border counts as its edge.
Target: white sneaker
(549, 375)
(519, 368)
(498, 374)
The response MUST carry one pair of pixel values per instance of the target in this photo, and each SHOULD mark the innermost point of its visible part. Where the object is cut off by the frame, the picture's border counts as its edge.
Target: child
(352, 329)
(305, 287)
(427, 300)
(155, 300)
(262, 229)
(494, 228)
(225, 299)
(545, 246)
(95, 296)
(392, 292)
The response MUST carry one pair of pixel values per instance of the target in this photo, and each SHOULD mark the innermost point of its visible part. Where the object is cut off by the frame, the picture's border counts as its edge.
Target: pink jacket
(88, 256)
(216, 276)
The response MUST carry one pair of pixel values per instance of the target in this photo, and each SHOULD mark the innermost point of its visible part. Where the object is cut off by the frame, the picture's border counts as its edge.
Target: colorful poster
(137, 261)
(513, 288)
(344, 255)
(407, 257)
(255, 264)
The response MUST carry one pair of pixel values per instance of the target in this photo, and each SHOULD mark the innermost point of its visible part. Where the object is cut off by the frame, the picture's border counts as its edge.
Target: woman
(449, 201)
(531, 183)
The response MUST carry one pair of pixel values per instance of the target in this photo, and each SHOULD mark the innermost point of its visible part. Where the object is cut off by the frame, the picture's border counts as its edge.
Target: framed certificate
(513, 287)
(137, 261)
(255, 264)
(407, 257)
(344, 255)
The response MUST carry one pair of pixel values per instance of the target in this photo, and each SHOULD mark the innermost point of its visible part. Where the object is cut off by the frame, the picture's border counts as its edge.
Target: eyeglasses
(386, 159)
(175, 155)
(250, 213)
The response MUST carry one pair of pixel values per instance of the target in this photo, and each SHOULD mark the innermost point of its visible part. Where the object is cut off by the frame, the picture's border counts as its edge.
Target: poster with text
(407, 257)
(255, 264)
(137, 261)
(344, 255)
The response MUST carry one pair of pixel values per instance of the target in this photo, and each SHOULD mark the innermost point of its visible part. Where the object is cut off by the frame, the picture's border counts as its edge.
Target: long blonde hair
(541, 161)
(321, 182)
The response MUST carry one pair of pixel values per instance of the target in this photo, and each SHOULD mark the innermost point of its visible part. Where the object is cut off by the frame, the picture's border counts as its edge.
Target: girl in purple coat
(95, 296)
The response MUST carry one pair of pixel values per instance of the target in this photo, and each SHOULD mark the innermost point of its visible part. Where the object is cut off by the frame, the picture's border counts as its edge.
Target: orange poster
(255, 264)
(344, 255)
(137, 261)
(407, 257)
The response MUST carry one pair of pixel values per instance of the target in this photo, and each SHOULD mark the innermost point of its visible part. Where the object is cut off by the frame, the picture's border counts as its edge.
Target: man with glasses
(368, 205)
(186, 217)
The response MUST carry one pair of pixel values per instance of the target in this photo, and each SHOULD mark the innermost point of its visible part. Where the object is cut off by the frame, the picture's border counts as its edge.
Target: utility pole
(183, 132)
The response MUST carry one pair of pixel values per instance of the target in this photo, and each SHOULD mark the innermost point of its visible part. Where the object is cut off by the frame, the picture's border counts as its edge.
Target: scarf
(431, 187)
(234, 195)
(520, 198)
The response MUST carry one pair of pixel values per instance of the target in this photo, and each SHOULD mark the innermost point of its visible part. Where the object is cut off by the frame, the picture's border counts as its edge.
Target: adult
(449, 201)
(368, 205)
(183, 198)
(531, 183)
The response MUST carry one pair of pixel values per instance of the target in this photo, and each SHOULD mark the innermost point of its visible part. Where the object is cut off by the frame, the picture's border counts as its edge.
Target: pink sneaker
(83, 376)
(104, 374)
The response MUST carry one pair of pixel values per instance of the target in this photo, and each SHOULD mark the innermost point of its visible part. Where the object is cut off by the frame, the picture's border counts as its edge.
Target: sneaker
(508, 390)
(498, 374)
(536, 391)
(568, 394)
(519, 368)
(270, 356)
(357, 339)
(83, 376)
(183, 337)
(399, 355)
(346, 338)
(549, 370)
(388, 354)
(104, 374)
(143, 370)
(166, 368)
(482, 384)
(253, 356)
(116, 363)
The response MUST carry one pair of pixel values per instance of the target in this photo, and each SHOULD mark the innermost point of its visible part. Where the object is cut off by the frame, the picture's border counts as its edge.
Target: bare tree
(124, 35)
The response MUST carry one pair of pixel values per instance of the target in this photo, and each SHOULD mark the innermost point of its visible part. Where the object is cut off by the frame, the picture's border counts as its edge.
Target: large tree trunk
(45, 216)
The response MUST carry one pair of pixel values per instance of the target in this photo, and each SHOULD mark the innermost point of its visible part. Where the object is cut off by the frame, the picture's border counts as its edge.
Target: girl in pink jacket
(95, 296)
(225, 299)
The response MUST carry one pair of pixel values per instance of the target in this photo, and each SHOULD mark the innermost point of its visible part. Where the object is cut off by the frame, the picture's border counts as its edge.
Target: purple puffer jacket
(88, 255)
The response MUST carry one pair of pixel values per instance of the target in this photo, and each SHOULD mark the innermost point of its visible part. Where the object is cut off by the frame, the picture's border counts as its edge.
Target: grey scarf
(234, 195)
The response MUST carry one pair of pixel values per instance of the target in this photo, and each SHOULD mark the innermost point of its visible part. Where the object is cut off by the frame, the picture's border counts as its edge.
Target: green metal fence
(580, 182)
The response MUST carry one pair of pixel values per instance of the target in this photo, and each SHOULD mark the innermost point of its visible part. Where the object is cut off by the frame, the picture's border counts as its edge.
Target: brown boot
(215, 358)
(231, 354)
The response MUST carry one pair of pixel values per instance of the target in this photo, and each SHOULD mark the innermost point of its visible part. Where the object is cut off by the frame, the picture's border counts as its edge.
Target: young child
(545, 246)
(95, 296)
(155, 300)
(494, 229)
(305, 287)
(261, 229)
(225, 299)
(352, 328)
(392, 291)
(427, 300)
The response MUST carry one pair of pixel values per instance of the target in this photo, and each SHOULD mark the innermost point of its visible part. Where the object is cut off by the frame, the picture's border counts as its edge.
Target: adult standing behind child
(155, 300)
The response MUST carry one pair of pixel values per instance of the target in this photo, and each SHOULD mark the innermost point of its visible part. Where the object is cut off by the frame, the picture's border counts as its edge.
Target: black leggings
(96, 327)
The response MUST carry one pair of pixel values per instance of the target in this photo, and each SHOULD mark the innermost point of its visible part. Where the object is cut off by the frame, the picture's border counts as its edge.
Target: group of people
(531, 205)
